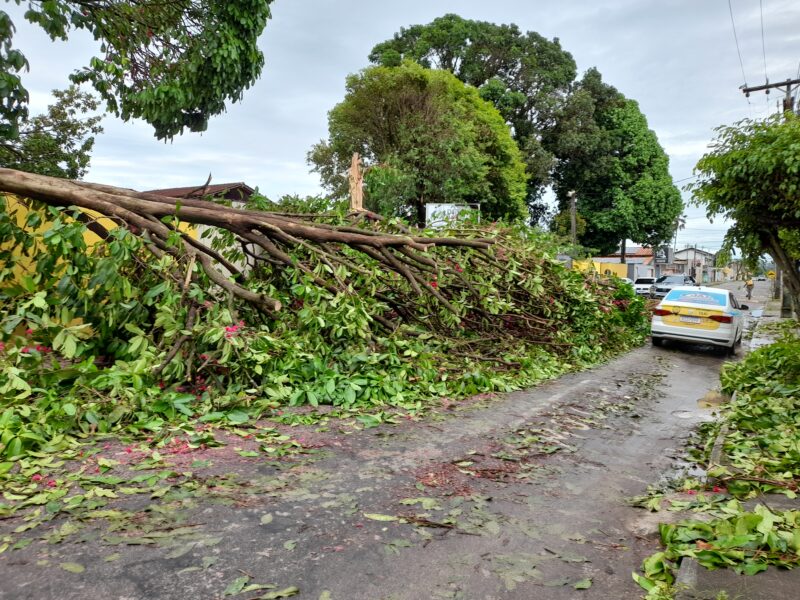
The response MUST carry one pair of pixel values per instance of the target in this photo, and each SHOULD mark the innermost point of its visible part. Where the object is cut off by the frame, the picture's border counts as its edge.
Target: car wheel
(657, 341)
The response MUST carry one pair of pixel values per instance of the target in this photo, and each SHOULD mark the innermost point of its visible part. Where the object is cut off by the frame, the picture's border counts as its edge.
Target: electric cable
(738, 50)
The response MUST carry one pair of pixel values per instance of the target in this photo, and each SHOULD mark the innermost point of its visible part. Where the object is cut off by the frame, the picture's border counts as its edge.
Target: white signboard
(442, 215)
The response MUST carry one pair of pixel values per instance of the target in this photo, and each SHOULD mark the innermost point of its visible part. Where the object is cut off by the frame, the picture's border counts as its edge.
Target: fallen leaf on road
(236, 586)
(284, 593)
(377, 517)
(72, 567)
(583, 584)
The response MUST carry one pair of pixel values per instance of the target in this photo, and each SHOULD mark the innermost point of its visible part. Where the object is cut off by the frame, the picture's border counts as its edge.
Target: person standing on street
(748, 285)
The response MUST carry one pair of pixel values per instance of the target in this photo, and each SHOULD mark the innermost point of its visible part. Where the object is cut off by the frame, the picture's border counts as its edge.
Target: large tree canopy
(424, 137)
(526, 76)
(58, 142)
(615, 164)
(173, 64)
(751, 177)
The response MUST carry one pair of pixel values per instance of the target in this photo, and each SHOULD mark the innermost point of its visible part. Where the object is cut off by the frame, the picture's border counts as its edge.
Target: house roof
(218, 189)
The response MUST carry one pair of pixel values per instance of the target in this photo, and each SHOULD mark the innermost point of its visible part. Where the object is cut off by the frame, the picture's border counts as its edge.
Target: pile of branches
(416, 270)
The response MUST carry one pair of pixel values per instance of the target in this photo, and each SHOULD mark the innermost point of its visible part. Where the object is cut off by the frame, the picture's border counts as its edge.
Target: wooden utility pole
(788, 100)
(356, 178)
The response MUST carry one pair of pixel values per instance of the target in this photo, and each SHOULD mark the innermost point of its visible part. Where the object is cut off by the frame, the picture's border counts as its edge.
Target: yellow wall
(19, 210)
(617, 269)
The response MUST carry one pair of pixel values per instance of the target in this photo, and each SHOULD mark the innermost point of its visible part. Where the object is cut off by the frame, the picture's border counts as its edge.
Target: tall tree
(525, 75)
(609, 156)
(59, 142)
(424, 137)
(751, 178)
(173, 64)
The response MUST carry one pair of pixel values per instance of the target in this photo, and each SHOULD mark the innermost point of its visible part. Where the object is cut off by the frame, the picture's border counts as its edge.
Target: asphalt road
(516, 497)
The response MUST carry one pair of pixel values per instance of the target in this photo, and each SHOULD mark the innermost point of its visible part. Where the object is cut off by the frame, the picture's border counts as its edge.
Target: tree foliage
(609, 156)
(172, 64)
(751, 177)
(138, 332)
(526, 76)
(424, 137)
(59, 142)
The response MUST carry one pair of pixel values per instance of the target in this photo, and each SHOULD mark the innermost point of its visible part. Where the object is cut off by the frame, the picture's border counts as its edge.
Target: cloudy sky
(677, 58)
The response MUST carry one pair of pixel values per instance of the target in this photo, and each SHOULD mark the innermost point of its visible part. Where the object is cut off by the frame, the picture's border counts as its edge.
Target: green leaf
(72, 567)
(583, 584)
(379, 517)
(284, 593)
(236, 586)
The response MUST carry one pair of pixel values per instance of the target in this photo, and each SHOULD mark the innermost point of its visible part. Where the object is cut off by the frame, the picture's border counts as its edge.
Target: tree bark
(791, 277)
(276, 235)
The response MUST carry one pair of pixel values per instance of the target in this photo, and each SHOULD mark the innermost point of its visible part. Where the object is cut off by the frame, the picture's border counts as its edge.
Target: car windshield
(670, 279)
(698, 297)
(645, 280)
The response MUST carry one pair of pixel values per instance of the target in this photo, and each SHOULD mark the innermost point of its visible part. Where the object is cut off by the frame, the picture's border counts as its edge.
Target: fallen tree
(268, 308)
(271, 233)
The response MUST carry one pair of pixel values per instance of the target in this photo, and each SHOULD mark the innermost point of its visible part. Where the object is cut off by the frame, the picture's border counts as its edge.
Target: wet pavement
(516, 497)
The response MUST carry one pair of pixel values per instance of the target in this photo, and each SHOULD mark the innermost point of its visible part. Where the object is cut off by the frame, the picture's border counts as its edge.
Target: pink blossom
(36, 477)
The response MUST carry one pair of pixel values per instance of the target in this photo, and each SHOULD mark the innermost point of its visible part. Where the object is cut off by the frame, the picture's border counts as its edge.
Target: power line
(738, 50)
(763, 44)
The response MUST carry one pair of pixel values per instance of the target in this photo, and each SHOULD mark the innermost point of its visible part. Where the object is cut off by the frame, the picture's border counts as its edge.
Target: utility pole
(788, 100)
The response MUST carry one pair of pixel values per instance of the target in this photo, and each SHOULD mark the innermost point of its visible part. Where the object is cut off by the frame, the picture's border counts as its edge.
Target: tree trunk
(622, 251)
(791, 277)
(274, 234)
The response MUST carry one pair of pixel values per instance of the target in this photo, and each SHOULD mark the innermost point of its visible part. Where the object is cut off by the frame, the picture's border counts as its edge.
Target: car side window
(734, 303)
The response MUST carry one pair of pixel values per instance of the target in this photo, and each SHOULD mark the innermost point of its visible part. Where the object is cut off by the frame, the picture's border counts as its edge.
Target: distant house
(638, 263)
(235, 192)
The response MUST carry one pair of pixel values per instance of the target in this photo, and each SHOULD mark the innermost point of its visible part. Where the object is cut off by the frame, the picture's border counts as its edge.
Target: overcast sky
(677, 58)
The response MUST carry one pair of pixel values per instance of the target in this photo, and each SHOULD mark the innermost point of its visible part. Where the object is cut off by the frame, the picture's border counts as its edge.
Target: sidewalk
(695, 582)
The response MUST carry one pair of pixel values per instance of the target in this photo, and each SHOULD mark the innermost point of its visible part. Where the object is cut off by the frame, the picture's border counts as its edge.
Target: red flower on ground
(36, 477)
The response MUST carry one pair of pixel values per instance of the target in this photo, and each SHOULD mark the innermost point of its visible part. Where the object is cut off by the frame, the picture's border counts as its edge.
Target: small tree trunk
(421, 212)
(622, 251)
(791, 278)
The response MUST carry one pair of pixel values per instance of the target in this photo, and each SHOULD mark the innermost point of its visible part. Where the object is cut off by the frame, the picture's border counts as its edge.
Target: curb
(686, 579)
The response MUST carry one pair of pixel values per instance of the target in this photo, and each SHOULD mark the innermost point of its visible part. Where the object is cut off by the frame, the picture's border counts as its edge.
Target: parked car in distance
(643, 286)
(702, 315)
(626, 280)
(666, 283)
(761, 278)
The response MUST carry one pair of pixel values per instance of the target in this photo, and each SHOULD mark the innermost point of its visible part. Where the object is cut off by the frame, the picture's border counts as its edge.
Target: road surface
(514, 497)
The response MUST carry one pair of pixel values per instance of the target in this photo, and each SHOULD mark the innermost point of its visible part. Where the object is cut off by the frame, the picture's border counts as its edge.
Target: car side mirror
(744, 307)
